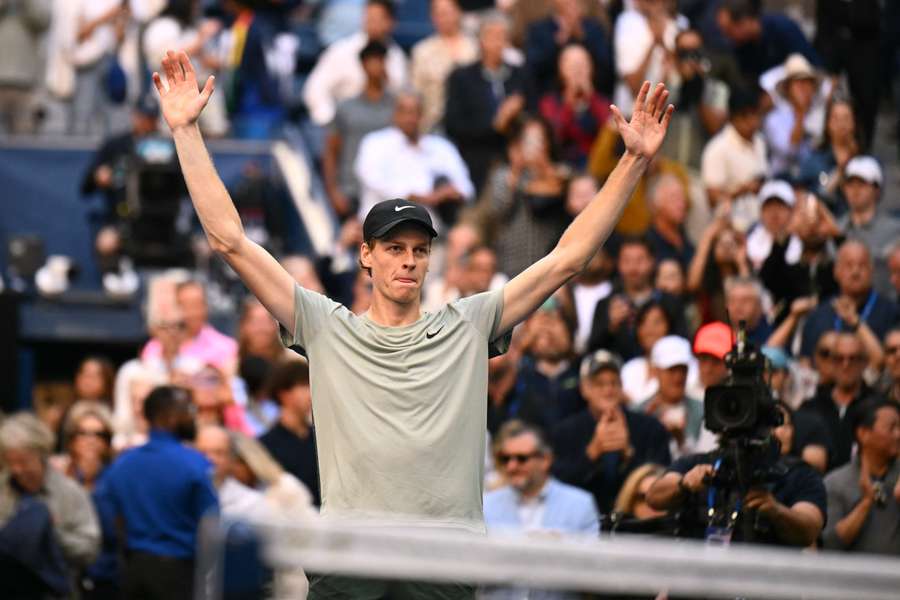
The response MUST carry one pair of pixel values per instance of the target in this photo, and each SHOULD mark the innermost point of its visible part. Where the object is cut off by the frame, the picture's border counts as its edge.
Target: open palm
(644, 134)
(181, 99)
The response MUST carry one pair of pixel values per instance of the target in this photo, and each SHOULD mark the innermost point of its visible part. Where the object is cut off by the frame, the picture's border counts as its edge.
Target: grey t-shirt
(879, 235)
(354, 118)
(400, 412)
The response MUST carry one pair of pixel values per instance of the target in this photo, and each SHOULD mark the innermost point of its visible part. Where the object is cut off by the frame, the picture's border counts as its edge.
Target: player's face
(399, 263)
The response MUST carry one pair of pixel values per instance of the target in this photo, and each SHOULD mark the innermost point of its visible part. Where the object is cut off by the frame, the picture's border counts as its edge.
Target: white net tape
(632, 564)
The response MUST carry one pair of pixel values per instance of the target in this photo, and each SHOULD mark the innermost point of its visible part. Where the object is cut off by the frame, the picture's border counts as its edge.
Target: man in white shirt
(338, 75)
(399, 162)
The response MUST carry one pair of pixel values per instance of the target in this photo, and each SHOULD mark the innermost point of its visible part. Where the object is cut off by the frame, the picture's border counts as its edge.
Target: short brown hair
(285, 375)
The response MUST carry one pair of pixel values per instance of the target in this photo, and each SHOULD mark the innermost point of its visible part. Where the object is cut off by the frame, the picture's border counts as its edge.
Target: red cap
(713, 338)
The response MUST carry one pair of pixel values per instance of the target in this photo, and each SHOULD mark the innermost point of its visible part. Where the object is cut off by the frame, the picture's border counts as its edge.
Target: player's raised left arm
(643, 137)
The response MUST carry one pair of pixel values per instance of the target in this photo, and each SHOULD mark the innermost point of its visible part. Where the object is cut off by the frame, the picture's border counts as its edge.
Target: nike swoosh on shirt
(430, 335)
(399, 208)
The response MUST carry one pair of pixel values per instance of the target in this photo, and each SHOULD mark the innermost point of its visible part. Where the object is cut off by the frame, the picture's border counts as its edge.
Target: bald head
(215, 443)
(853, 268)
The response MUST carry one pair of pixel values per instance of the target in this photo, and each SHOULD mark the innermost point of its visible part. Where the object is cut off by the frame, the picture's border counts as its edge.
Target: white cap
(671, 351)
(864, 167)
(777, 188)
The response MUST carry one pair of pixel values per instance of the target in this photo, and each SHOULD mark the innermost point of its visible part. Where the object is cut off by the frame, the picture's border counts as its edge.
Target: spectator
(744, 302)
(893, 263)
(160, 490)
(94, 380)
(794, 127)
(400, 162)
(567, 25)
(670, 278)
(776, 200)
(22, 26)
(446, 275)
(721, 254)
(338, 74)
(711, 343)
(588, 289)
(613, 325)
(303, 271)
(632, 499)
(353, 120)
(258, 333)
(669, 205)
(528, 198)
(891, 381)
(823, 170)
(478, 271)
(214, 400)
(878, 229)
(202, 342)
(837, 404)
(857, 306)
(25, 445)
(864, 495)
(651, 324)
(236, 500)
(761, 40)
(483, 100)
(503, 373)
(576, 112)
(821, 360)
(802, 434)
(108, 174)
(680, 414)
(643, 41)
(547, 382)
(435, 57)
(292, 439)
(734, 161)
(598, 447)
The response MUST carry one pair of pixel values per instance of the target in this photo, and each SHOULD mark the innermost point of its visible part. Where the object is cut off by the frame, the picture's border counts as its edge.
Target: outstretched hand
(644, 134)
(181, 100)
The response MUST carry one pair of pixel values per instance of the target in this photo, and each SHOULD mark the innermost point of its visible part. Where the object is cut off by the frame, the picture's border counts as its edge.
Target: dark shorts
(331, 587)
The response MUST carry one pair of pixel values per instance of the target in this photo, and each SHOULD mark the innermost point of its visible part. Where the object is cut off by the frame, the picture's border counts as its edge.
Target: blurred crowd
(766, 208)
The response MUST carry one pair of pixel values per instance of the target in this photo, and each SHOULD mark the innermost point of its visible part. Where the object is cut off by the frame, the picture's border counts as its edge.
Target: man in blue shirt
(160, 491)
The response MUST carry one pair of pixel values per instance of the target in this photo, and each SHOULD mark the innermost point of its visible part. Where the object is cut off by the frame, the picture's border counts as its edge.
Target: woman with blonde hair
(632, 498)
(87, 443)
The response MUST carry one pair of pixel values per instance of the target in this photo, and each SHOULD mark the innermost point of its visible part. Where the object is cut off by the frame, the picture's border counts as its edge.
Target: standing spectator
(354, 119)
(236, 500)
(338, 74)
(292, 440)
(744, 302)
(483, 101)
(528, 198)
(598, 448)
(567, 25)
(160, 490)
(669, 205)
(399, 161)
(22, 25)
(734, 161)
(203, 342)
(823, 170)
(864, 495)
(651, 324)
(721, 254)
(576, 112)
(776, 200)
(588, 289)
(761, 40)
(711, 343)
(25, 446)
(878, 229)
(644, 39)
(435, 57)
(258, 333)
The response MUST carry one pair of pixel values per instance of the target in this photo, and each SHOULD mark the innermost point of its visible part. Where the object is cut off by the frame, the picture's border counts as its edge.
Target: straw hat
(796, 67)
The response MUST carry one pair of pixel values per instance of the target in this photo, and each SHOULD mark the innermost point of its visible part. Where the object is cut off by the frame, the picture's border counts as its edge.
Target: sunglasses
(891, 350)
(823, 353)
(505, 459)
(847, 358)
(102, 435)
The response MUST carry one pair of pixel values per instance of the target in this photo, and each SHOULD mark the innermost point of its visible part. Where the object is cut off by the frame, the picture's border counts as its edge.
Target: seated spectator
(399, 161)
(721, 254)
(160, 491)
(761, 40)
(202, 342)
(258, 340)
(576, 112)
(643, 41)
(651, 324)
(435, 57)
(744, 302)
(802, 433)
(776, 201)
(598, 447)
(822, 172)
(134, 382)
(795, 126)
(680, 414)
(236, 500)
(878, 229)
(355, 118)
(528, 198)
(338, 74)
(25, 447)
(669, 206)
(857, 306)
(483, 100)
(864, 495)
(547, 382)
(837, 404)
(632, 499)
(87, 441)
(613, 326)
(734, 164)
(20, 76)
(478, 272)
(890, 387)
(94, 380)
(292, 439)
(214, 399)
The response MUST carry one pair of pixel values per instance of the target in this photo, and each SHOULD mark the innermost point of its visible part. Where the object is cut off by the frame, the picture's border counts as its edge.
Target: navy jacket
(780, 38)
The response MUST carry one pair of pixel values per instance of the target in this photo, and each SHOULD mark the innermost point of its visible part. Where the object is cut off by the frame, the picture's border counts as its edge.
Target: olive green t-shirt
(400, 412)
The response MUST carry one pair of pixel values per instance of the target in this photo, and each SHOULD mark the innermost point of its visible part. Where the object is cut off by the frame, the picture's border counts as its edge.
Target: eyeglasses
(891, 349)
(823, 353)
(101, 435)
(172, 325)
(505, 459)
(847, 358)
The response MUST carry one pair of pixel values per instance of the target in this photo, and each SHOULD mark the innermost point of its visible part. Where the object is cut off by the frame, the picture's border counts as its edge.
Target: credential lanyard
(863, 316)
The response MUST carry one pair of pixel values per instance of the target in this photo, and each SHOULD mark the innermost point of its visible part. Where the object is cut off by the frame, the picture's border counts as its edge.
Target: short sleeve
(484, 312)
(686, 463)
(631, 42)
(805, 485)
(311, 310)
(712, 171)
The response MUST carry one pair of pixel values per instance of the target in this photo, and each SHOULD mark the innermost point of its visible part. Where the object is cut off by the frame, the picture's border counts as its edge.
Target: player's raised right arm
(182, 102)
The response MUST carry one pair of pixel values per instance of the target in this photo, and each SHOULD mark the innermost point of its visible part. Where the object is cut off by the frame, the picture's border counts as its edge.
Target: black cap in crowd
(386, 215)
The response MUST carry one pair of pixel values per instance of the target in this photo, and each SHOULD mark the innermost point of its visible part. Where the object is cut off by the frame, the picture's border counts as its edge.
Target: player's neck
(388, 313)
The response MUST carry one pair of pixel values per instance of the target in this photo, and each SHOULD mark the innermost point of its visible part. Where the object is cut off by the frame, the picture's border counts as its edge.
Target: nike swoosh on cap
(399, 208)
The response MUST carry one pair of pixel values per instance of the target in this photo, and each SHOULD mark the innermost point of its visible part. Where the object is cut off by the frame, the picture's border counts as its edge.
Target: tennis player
(399, 396)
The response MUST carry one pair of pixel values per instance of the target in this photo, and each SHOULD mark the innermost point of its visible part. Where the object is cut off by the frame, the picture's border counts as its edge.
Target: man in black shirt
(292, 440)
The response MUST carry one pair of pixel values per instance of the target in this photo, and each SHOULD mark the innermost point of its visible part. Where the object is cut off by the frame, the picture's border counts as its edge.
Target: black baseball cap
(386, 215)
